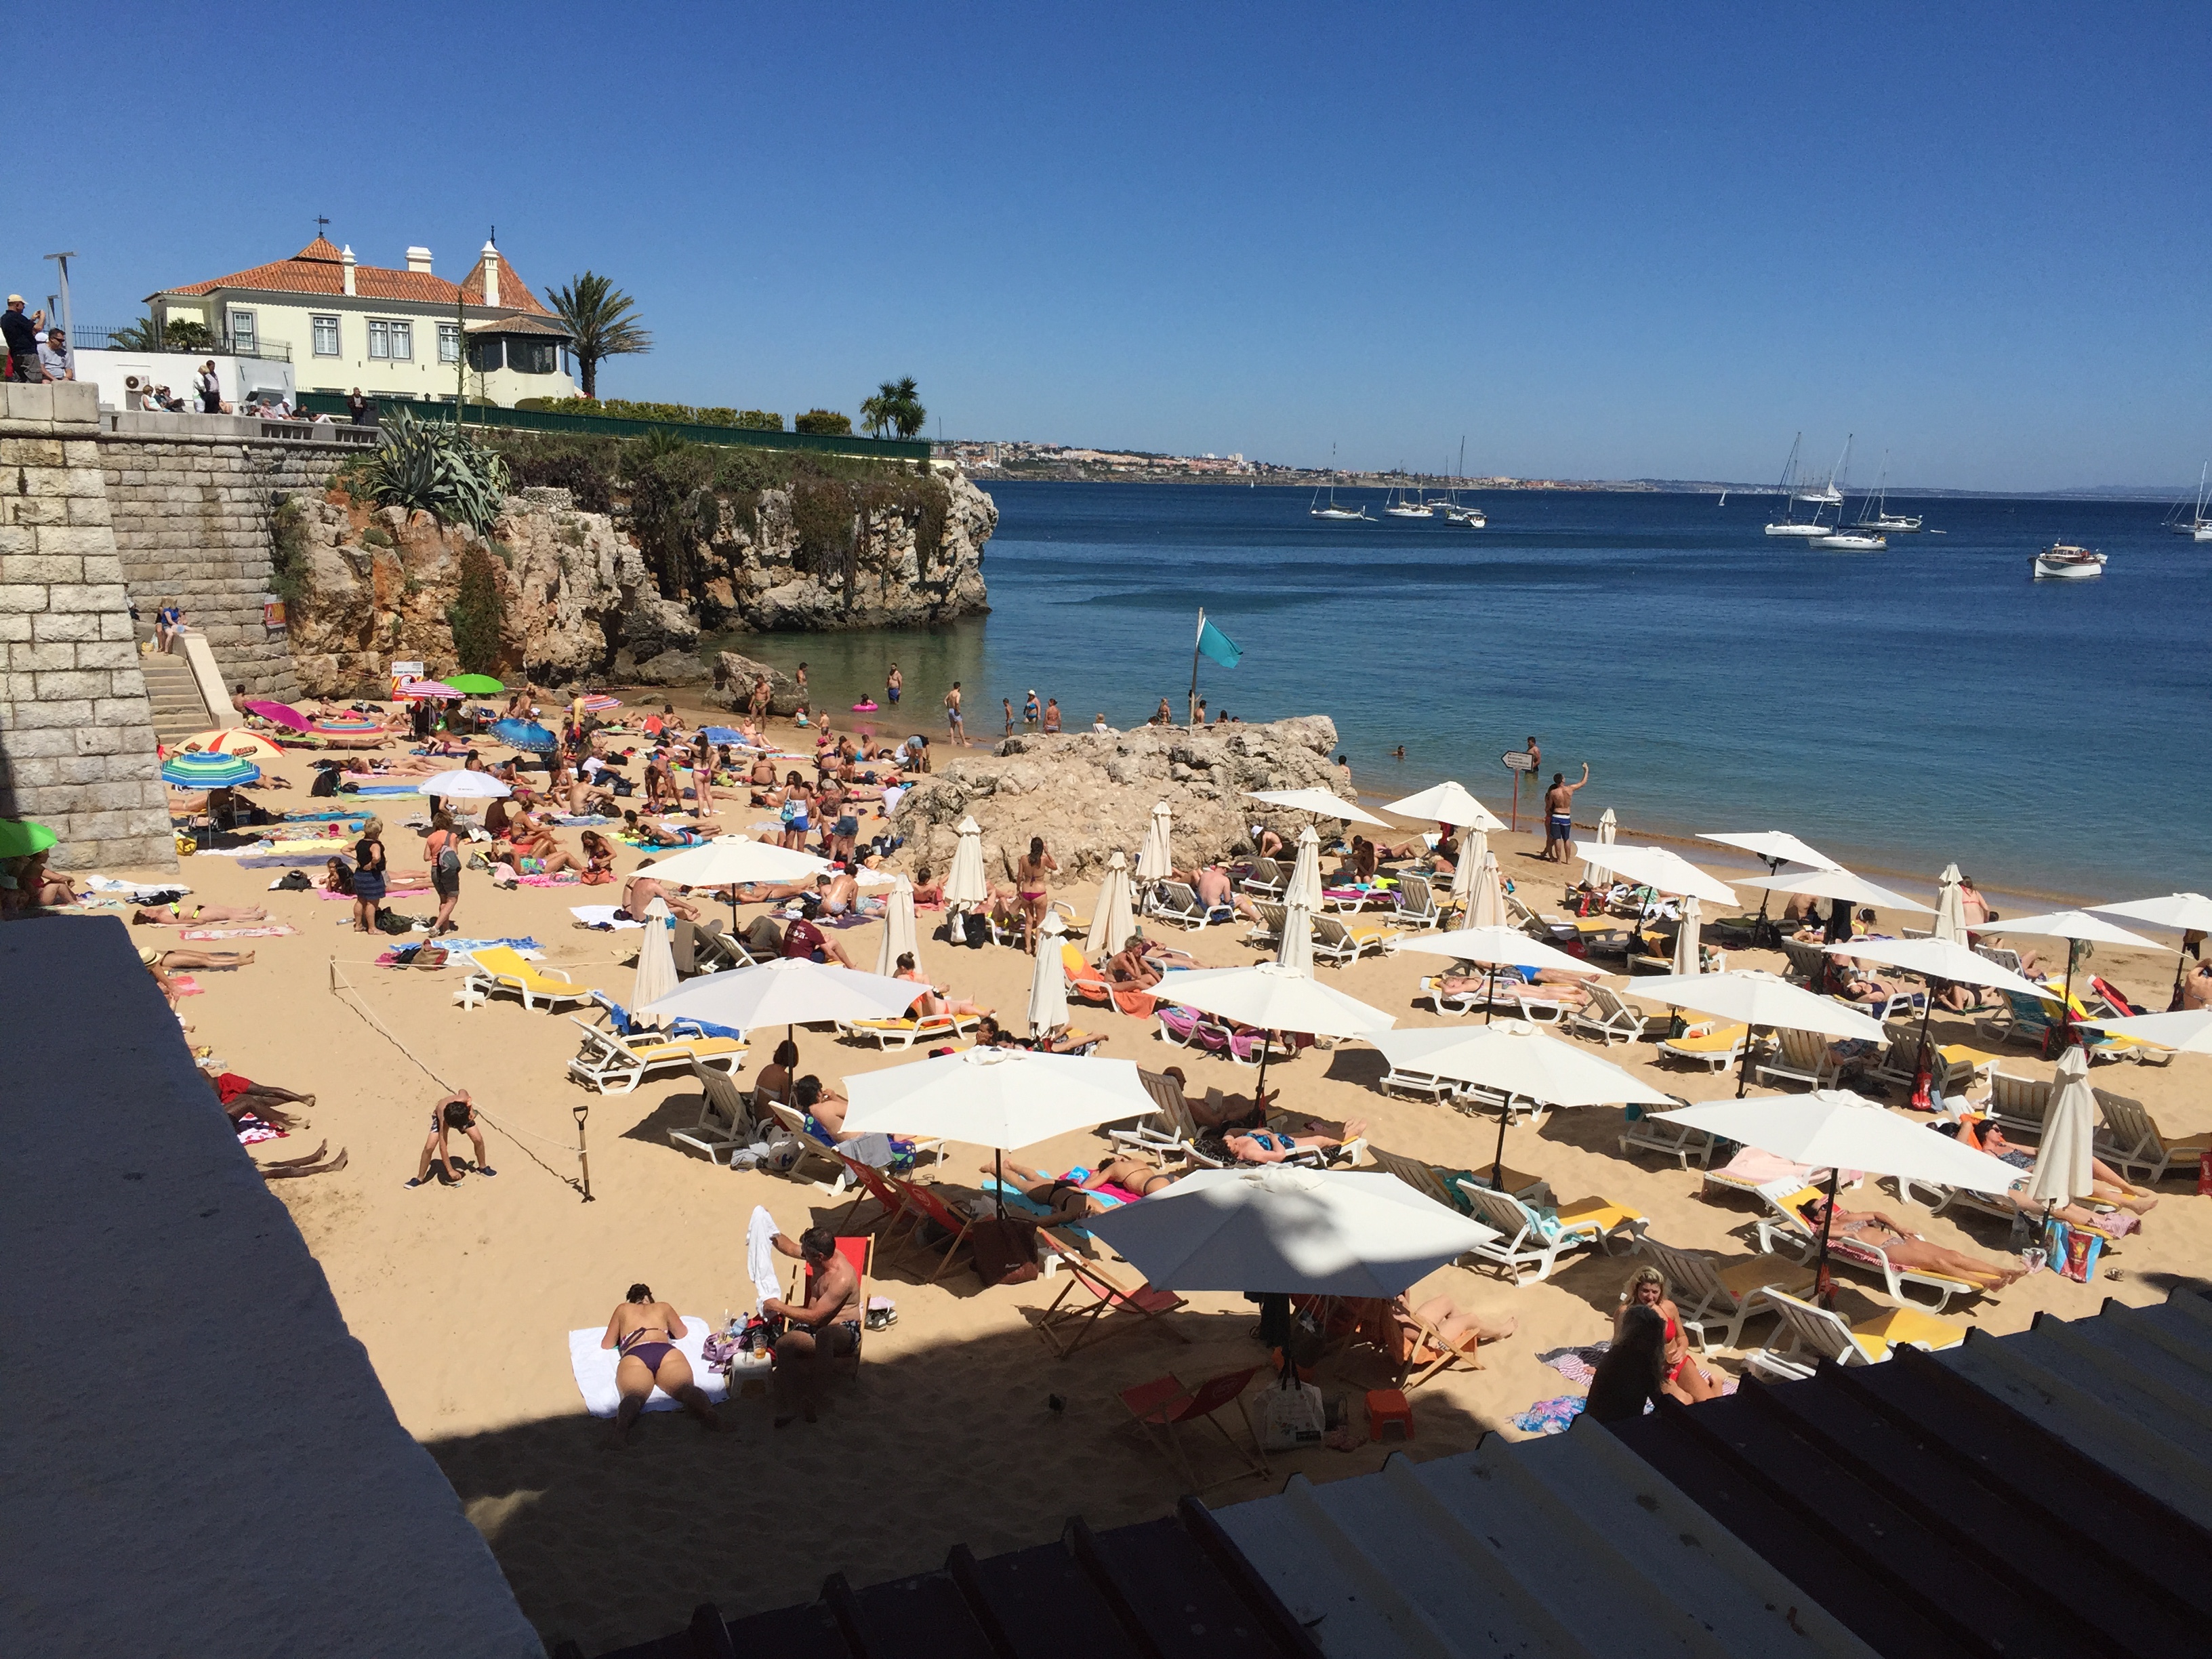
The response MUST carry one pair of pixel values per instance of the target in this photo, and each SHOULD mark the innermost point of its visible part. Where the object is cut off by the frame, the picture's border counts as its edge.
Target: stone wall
(76, 735)
(191, 496)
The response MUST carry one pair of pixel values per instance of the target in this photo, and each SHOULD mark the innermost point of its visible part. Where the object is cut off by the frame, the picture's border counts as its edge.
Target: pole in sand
(583, 1160)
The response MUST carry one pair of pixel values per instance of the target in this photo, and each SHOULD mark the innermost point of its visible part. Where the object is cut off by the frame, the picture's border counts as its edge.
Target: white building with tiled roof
(401, 333)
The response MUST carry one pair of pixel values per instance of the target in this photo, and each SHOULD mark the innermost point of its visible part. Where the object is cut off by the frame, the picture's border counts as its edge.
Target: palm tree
(906, 411)
(879, 414)
(600, 317)
(144, 335)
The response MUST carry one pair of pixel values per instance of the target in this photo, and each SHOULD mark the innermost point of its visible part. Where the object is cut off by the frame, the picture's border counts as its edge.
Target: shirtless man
(1560, 813)
(640, 890)
(955, 732)
(1873, 1228)
(825, 1329)
(644, 1332)
(1213, 890)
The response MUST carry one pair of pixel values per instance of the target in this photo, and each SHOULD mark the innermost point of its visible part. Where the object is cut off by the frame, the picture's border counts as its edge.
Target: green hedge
(623, 408)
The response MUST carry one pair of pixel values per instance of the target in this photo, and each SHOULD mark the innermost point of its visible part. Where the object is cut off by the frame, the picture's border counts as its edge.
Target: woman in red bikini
(644, 1332)
(1685, 1380)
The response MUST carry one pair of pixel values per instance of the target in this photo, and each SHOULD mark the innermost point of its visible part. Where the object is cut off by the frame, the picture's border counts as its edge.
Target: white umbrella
(1608, 830)
(1448, 803)
(1686, 959)
(2187, 1031)
(1492, 945)
(732, 861)
(1473, 848)
(1295, 951)
(1666, 871)
(899, 930)
(1756, 999)
(2063, 1170)
(789, 991)
(1513, 1058)
(964, 886)
(1154, 862)
(1283, 1231)
(1318, 801)
(1487, 907)
(1305, 872)
(1048, 979)
(1837, 883)
(2189, 912)
(1933, 959)
(1272, 998)
(1950, 907)
(1112, 917)
(1775, 847)
(2073, 926)
(656, 963)
(465, 786)
(1835, 1129)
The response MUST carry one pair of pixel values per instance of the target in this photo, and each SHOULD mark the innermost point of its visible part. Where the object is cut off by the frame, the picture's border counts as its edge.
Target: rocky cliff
(1090, 794)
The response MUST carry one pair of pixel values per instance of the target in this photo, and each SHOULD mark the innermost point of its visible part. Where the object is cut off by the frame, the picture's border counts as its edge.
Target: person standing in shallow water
(1560, 816)
(892, 685)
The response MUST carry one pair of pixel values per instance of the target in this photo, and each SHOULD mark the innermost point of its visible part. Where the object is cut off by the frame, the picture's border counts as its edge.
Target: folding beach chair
(1163, 1404)
(926, 1204)
(1066, 1326)
(861, 1252)
(1810, 1335)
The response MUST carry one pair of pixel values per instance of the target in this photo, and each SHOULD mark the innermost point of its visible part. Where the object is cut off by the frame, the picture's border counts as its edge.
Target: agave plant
(440, 469)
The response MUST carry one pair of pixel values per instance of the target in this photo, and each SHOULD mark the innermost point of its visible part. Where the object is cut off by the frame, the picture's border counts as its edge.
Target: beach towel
(253, 1130)
(386, 789)
(594, 1368)
(565, 878)
(1757, 1169)
(279, 931)
(1552, 1416)
(580, 820)
(132, 890)
(760, 1253)
(602, 916)
(324, 817)
(185, 985)
(1577, 1365)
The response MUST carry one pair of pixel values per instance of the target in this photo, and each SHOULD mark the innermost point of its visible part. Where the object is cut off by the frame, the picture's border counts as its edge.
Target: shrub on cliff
(623, 409)
(826, 421)
(671, 507)
(288, 551)
(477, 612)
(585, 467)
(438, 469)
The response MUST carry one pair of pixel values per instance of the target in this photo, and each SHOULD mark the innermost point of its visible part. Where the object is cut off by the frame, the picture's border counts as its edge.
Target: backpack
(449, 857)
(388, 923)
(326, 783)
(293, 881)
(976, 929)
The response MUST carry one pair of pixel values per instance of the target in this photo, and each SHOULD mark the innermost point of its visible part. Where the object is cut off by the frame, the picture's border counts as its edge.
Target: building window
(392, 340)
(241, 332)
(532, 357)
(485, 356)
(449, 343)
(326, 337)
(379, 338)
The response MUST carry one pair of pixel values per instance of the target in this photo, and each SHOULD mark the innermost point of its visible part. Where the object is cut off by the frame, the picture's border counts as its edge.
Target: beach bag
(1287, 1418)
(326, 783)
(386, 922)
(293, 881)
(783, 1151)
(975, 929)
(1004, 1251)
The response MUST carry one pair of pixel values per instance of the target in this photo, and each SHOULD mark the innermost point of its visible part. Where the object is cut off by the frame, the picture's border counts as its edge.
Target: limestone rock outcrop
(735, 675)
(1090, 794)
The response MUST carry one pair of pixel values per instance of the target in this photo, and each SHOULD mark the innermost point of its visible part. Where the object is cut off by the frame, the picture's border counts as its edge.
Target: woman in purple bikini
(645, 1332)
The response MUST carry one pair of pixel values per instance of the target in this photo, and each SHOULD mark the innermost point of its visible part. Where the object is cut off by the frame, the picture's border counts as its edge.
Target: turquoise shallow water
(1898, 709)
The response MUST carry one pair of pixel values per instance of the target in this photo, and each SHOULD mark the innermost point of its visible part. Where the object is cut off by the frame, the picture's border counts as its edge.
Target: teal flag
(1213, 642)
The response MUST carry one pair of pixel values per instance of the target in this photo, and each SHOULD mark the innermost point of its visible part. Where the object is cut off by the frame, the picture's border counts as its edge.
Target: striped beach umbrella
(349, 727)
(204, 771)
(429, 691)
(230, 740)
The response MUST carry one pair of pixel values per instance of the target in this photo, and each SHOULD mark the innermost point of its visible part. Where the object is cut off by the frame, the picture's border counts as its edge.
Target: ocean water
(1899, 710)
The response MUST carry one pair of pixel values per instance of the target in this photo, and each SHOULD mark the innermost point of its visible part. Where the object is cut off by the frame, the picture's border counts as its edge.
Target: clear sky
(1598, 240)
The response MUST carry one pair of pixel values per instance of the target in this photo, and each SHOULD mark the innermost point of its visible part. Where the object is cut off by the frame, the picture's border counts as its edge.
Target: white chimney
(491, 275)
(418, 259)
(345, 270)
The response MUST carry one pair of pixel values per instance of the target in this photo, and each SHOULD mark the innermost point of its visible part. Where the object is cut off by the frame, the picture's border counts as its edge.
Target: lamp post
(69, 322)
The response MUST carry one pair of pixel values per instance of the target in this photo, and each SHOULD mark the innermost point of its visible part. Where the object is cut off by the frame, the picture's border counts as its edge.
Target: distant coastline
(1287, 479)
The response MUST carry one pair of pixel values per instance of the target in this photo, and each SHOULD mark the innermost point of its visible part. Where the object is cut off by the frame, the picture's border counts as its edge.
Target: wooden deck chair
(501, 968)
(873, 1184)
(1809, 1334)
(1163, 1404)
(1787, 1227)
(1069, 1325)
(1802, 1057)
(1529, 1239)
(1424, 1352)
(1712, 1297)
(1716, 1050)
(1610, 1019)
(614, 1064)
(927, 1204)
(2130, 1139)
(1677, 1140)
(725, 1118)
(861, 1252)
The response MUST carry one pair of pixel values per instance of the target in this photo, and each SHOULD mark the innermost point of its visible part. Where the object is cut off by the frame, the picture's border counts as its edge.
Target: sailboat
(1723, 500)
(2195, 525)
(1789, 525)
(1333, 511)
(1401, 508)
(1828, 495)
(1874, 517)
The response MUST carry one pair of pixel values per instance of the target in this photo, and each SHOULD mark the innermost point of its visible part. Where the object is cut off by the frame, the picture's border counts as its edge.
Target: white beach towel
(595, 1369)
(760, 1253)
(601, 916)
(108, 886)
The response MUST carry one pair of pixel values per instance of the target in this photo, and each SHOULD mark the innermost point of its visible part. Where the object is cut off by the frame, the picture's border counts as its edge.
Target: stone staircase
(178, 711)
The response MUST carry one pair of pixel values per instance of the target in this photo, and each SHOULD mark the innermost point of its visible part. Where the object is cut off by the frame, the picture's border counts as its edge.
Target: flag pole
(1191, 713)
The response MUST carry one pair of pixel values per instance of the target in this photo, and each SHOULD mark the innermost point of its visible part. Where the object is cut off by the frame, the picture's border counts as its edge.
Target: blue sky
(1597, 241)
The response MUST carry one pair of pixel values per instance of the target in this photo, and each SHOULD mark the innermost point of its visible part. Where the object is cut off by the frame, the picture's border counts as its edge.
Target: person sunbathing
(1075, 1197)
(1845, 981)
(190, 912)
(640, 890)
(928, 893)
(1880, 1232)
(1687, 1380)
(824, 1108)
(935, 1000)
(1129, 966)
(644, 1332)
(2108, 1185)
(1274, 1145)
(1558, 984)
(240, 1095)
(1446, 1321)
(182, 960)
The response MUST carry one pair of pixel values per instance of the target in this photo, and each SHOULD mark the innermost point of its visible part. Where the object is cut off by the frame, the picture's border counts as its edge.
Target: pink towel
(1758, 1168)
(277, 931)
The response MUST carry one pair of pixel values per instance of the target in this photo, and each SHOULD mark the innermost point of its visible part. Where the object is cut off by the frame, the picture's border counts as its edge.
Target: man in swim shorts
(1559, 815)
(826, 1329)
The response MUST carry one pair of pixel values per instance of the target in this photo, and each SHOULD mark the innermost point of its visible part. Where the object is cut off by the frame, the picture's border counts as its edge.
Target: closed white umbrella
(964, 886)
(899, 930)
(1473, 848)
(465, 785)
(1608, 830)
(790, 991)
(1448, 803)
(2187, 911)
(1835, 1129)
(1840, 884)
(1686, 959)
(1295, 951)
(1154, 861)
(1113, 917)
(2075, 926)
(1950, 907)
(1269, 997)
(1662, 869)
(656, 963)
(1048, 979)
(1513, 1058)
(2064, 1168)
(1754, 998)
(1280, 1230)
(1488, 908)
(1318, 802)
(1305, 872)
(2187, 1031)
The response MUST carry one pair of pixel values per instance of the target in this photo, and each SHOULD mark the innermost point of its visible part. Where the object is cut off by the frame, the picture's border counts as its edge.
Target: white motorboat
(1472, 517)
(1807, 531)
(2064, 561)
(1333, 511)
(1854, 540)
(1789, 525)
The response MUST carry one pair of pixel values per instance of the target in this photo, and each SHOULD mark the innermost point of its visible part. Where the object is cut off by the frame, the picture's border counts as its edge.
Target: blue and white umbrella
(201, 770)
(526, 734)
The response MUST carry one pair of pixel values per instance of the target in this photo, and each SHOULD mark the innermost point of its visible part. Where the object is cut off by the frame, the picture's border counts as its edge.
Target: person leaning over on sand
(454, 1111)
(644, 1332)
(1559, 815)
(827, 1329)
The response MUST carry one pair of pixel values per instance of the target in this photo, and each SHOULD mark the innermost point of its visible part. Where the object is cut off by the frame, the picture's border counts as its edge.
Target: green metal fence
(608, 426)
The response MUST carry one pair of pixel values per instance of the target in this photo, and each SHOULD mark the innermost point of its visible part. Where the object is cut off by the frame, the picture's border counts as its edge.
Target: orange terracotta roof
(514, 294)
(318, 267)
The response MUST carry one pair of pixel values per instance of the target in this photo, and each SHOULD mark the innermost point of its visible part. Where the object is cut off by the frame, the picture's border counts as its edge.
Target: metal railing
(608, 426)
(91, 337)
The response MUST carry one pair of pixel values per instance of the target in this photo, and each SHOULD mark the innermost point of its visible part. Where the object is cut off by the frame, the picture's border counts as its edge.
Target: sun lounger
(614, 1064)
(1085, 982)
(501, 968)
(1423, 1178)
(725, 1121)
(1646, 1133)
(2130, 1140)
(1808, 964)
(1417, 904)
(1951, 1068)
(2019, 1103)
(1809, 1334)
(717, 950)
(814, 1148)
(1556, 928)
(1424, 1085)
(1170, 1131)
(1174, 901)
(1716, 1050)
(1802, 1057)
(1712, 1298)
(1610, 1020)
(903, 1033)
(2029, 1020)
(1530, 1238)
(1265, 878)
(1072, 1323)
(1748, 1172)
(1786, 1226)
(1333, 942)
(1269, 929)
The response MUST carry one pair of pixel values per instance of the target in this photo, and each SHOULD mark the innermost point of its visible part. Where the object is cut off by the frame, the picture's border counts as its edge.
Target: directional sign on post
(1517, 761)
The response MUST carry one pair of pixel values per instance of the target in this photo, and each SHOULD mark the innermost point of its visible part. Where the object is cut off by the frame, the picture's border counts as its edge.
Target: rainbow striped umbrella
(230, 741)
(349, 728)
(600, 703)
(204, 771)
(428, 691)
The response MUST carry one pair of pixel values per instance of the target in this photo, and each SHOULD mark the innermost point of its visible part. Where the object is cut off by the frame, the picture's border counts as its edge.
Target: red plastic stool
(1386, 1406)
